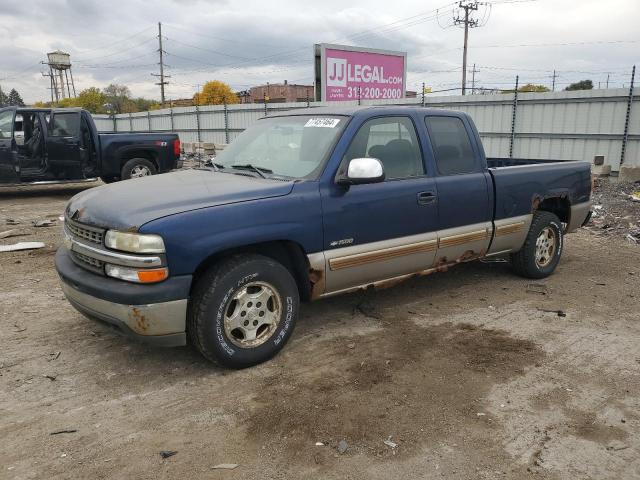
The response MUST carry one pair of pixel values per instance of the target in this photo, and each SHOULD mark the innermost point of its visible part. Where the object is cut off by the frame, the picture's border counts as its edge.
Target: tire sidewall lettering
(287, 321)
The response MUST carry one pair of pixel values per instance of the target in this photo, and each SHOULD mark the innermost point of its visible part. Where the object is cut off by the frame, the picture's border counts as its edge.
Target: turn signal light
(153, 276)
(135, 275)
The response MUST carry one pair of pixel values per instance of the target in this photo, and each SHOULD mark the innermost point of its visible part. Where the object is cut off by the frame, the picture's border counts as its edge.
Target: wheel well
(289, 254)
(558, 205)
(146, 154)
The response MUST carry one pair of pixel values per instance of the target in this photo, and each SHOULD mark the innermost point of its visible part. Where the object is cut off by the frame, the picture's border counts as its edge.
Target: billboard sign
(350, 73)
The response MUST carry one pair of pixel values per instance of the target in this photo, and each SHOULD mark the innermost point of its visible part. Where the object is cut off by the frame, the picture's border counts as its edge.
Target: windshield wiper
(259, 170)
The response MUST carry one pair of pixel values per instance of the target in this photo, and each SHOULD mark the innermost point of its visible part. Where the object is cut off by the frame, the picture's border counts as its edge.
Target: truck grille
(84, 232)
(88, 262)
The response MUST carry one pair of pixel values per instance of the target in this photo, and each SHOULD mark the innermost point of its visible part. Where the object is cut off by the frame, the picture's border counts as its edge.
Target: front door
(464, 203)
(380, 231)
(8, 160)
(63, 144)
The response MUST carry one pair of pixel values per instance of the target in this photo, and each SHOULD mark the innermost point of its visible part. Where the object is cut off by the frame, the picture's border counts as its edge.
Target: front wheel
(542, 248)
(138, 167)
(243, 311)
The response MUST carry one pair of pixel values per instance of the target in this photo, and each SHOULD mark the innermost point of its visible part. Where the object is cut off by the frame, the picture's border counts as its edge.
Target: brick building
(280, 93)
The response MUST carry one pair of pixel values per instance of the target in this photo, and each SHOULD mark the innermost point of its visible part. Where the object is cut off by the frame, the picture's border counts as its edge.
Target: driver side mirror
(360, 171)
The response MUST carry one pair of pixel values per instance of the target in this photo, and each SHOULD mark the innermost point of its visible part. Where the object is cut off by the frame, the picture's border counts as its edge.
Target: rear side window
(65, 125)
(451, 145)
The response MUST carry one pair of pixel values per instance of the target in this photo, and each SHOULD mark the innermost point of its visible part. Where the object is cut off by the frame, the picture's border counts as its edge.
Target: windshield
(293, 147)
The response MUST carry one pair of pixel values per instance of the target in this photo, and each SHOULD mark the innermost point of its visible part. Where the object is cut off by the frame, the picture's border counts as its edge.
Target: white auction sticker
(322, 122)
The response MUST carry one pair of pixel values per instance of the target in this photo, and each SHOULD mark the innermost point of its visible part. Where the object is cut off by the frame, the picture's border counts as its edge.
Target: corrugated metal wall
(557, 125)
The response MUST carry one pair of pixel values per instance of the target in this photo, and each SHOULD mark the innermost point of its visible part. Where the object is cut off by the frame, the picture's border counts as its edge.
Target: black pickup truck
(56, 145)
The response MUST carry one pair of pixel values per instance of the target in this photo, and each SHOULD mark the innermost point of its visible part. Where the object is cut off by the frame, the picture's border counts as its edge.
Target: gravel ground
(472, 373)
(615, 213)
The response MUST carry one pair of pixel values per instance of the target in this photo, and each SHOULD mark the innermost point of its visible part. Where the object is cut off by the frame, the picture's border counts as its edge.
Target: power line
(119, 52)
(117, 42)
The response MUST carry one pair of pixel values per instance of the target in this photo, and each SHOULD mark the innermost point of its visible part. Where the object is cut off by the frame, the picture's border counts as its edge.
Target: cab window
(394, 142)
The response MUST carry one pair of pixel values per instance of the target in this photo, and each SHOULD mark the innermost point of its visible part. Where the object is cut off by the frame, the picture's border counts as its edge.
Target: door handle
(425, 198)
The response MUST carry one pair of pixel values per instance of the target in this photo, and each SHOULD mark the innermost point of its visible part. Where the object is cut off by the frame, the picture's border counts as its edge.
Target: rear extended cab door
(465, 192)
(63, 139)
(9, 168)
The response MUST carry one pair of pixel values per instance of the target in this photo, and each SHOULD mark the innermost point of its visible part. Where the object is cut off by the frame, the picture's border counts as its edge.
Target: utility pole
(162, 76)
(473, 79)
(607, 80)
(469, 8)
(553, 81)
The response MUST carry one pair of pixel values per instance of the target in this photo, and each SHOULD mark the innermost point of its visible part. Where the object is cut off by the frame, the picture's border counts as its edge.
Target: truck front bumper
(154, 314)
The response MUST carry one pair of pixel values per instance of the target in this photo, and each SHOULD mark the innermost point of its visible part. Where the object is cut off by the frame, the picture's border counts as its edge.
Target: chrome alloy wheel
(252, 315)
(140, 171)
(546, 246)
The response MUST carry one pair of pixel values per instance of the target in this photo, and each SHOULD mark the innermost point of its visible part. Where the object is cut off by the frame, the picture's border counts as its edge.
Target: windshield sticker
(322, 122)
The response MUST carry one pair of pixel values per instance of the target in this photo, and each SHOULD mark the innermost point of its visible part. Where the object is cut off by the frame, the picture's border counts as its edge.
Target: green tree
(92, 99)
(215, 92)
(581, 85)
(530, 87)
(145, 104)
(68, 103)
(14, 99)
(119, 97)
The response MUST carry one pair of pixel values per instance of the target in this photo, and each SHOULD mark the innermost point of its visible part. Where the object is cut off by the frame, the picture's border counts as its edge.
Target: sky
(246, 43)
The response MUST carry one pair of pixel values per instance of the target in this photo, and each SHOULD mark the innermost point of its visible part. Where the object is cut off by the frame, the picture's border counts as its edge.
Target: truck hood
(130, 204)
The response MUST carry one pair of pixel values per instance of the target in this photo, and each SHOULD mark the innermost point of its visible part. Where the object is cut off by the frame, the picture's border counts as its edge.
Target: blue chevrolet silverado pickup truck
(45, 145)
(302, 206)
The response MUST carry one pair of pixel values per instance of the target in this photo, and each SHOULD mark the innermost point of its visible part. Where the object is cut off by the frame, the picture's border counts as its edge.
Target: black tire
(109, 179)
(129, 168)
(526, 262)
(213, 299)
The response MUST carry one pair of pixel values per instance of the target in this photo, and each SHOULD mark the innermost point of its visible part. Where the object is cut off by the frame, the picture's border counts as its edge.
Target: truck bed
(521, 184)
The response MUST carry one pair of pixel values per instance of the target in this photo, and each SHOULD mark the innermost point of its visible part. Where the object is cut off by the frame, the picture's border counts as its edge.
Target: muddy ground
(472, 373)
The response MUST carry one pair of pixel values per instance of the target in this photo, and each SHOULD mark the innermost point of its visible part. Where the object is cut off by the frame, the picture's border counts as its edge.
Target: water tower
(59, 73)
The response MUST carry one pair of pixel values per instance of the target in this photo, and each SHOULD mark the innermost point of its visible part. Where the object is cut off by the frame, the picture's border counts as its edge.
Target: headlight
(136, 275)
(134, 242)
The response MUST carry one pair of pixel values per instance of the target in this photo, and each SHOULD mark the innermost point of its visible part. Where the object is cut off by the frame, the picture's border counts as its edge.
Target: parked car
(302, 206)
(54, 145)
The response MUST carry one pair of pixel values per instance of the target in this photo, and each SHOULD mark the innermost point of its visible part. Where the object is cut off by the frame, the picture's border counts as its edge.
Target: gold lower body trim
(380, 255)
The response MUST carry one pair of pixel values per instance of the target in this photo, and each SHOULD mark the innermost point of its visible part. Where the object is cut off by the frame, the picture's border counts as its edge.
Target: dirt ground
(472, 373)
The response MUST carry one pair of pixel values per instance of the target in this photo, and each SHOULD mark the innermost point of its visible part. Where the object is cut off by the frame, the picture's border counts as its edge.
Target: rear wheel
(243, 311)
(542, 248)
(138, 167)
